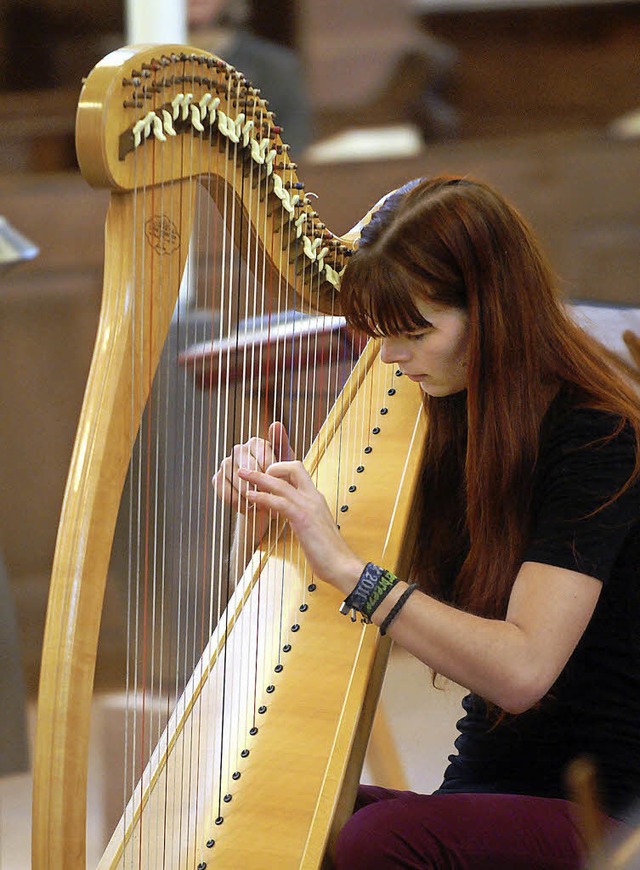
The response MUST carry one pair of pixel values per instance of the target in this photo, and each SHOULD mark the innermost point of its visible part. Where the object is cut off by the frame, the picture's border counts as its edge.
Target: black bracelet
(397, 607)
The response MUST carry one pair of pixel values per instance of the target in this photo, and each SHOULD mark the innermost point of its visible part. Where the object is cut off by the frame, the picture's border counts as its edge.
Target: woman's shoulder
(573, 422)
(585, 445)
(586, 494)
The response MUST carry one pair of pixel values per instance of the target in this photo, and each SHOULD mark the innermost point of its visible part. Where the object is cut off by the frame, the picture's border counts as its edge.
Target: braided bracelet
(397, 607)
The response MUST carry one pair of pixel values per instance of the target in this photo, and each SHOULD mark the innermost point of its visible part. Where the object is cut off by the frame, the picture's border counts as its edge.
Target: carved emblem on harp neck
(162, 234)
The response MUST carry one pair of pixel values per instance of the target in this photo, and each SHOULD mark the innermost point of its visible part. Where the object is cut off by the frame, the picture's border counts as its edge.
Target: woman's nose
(393, 350)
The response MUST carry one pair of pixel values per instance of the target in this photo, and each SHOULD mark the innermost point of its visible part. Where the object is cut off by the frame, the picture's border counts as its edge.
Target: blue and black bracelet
(373, 586)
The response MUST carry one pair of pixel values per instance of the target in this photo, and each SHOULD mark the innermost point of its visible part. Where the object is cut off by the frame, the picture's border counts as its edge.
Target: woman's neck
(217, 40)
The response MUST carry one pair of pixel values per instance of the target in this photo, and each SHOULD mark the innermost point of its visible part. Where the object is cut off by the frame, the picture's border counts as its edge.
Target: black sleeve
(580, 468)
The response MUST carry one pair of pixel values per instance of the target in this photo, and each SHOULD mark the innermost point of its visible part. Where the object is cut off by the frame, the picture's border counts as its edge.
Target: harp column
(161, 21)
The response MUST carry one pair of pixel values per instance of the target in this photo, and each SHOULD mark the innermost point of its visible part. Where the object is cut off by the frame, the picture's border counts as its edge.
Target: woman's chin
(439, 391)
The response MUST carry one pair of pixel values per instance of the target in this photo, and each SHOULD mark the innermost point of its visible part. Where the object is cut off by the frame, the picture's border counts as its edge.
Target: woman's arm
(511, 663)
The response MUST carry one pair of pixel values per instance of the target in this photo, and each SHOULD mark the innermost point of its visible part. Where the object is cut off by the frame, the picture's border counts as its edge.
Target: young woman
(525, 581)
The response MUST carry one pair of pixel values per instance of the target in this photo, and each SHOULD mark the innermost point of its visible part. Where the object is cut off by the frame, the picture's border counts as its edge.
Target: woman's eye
(416, 336)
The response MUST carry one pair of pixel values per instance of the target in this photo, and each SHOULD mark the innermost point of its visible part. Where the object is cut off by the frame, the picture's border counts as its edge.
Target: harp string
(261, 422)
(210, 462)
(183, 572)
(248, 672)
(174, 606)
(140, 578)
(150, 542)
(193, 502)
(218, 526)
(135, 527)
(155, 501)
(245, 398)
(233, 317)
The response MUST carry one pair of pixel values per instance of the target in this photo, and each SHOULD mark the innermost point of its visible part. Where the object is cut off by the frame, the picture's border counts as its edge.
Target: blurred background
(540, 98)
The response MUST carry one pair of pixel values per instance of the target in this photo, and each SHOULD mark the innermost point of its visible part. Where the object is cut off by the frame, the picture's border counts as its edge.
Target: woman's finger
(265, 481)
(246, 456)
(260, 452)
(279, 438)
(224, 489)
(228, 485)
(292, 473)
(295, 473)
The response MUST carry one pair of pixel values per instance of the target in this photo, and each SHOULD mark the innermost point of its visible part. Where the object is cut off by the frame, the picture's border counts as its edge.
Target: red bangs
(377, 295)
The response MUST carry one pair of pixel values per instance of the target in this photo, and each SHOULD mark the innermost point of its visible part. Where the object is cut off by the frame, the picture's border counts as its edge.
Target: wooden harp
(257, 759)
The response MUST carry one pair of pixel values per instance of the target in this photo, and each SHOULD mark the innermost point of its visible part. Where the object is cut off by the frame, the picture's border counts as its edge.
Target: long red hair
(457, 242)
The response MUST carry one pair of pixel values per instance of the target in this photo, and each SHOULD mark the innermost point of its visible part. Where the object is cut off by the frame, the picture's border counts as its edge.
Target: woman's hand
(283, 486)
(287, 489)
(256, 454)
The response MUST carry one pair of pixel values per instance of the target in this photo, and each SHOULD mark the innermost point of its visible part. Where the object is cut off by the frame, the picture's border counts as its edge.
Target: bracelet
(383, 587)
(373, 585)
(397, 607)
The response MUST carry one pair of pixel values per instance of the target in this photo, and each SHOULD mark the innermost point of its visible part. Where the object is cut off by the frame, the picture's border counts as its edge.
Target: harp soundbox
(255, 762)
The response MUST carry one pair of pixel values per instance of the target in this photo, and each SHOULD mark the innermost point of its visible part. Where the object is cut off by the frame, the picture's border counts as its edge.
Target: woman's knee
(359, 843)
(353, 842)
(380, 836)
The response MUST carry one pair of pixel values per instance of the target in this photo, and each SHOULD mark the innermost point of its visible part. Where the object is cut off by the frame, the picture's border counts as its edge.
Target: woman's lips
(416, 378)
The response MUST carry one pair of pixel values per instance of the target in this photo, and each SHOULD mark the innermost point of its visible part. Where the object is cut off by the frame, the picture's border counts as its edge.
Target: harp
(255, 761)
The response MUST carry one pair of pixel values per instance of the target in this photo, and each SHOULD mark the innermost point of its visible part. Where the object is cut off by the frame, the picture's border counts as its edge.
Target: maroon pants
(395, 829)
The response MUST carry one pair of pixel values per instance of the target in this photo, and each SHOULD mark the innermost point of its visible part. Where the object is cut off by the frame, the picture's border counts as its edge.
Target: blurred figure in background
(14, 744)
(220, 26)
(14, 754)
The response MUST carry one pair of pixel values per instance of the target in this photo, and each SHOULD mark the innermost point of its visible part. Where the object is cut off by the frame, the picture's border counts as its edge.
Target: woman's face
(203, 13)
(434, 356)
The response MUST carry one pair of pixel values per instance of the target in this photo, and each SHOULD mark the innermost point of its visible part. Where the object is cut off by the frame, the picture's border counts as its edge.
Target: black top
(594, 707)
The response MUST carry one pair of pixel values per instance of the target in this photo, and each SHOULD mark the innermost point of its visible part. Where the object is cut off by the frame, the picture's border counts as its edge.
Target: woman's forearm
(486, 656)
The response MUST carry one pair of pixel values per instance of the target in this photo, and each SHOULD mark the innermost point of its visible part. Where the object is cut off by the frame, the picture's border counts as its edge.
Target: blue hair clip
(381, 218)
